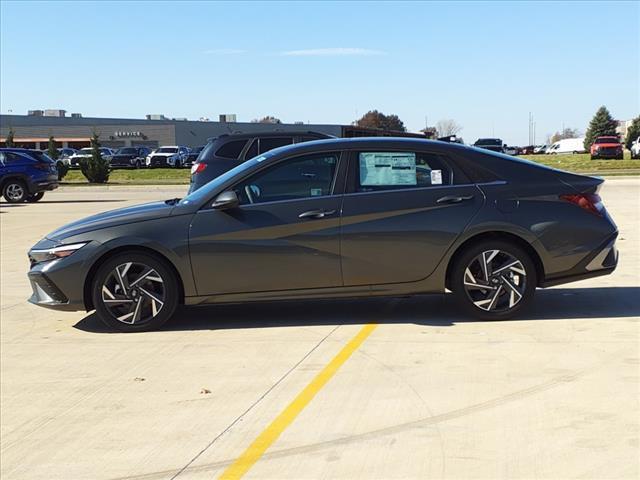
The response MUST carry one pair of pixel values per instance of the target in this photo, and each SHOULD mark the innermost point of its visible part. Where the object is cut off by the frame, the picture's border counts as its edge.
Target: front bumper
(607, 153)
(60, 284)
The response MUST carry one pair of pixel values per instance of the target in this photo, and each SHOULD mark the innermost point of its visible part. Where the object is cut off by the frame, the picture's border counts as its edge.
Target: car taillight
(198, 167)
(590, 202)
(45, 167)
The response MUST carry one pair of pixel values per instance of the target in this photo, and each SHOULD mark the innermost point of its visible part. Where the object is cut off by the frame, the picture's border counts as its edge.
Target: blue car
(26, 174)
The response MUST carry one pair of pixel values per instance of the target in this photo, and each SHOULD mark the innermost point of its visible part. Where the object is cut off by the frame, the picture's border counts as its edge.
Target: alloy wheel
(15, 192)
(133, 293)
(495, 281)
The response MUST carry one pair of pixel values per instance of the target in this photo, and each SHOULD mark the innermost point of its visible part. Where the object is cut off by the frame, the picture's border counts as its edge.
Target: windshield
(489, 141)
(127, 151)
(607, 140)
(167, 150)
(205, 191)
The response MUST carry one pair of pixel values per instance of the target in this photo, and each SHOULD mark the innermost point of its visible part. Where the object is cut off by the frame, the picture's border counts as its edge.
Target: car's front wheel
(135, 292)
(15, 191)
(494, 280)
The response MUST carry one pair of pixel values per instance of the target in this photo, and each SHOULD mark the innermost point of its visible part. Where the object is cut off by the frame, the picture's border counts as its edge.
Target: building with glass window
(33, 131)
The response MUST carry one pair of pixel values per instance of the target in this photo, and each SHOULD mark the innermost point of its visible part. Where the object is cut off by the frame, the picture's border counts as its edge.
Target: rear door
(401, 212)
(285, 235)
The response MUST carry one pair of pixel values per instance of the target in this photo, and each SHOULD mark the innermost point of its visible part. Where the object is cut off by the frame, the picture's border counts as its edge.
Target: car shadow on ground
(431, 310)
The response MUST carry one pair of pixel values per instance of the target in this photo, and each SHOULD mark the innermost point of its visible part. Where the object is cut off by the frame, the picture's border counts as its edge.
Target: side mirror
(226, 200)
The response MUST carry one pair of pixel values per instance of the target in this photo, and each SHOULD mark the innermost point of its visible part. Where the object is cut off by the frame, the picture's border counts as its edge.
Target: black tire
(36, 197)
(15, 191)
(466, 294)
(178, 164)
(167, 294)
(138, 164)
(593, 158)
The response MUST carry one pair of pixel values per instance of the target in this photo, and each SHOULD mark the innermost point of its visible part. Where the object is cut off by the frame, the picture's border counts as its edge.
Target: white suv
(169, 156)
(635, 148)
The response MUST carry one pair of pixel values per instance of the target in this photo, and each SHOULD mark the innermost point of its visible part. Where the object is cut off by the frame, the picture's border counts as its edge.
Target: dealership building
(33, 130)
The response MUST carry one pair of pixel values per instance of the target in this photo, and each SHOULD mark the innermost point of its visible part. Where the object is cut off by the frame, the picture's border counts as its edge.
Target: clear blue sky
(484, 64)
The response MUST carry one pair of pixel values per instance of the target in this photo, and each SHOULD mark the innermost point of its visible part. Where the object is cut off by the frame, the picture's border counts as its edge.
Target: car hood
(112, 218)
(164, 154)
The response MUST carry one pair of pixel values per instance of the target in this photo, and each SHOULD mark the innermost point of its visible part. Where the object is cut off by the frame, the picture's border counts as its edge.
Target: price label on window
(387, 168)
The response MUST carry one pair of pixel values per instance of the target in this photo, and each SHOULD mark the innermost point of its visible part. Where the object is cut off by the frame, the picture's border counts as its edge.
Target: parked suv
(607, 147)
(493, 144)
(635, 148)
(193, 155)
(130, 157)
(227, 151)
(168, 156)
(26, 174)
(64, 154)
(85, 153)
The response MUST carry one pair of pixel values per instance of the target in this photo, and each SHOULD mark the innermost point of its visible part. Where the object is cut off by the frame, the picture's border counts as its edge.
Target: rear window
(41, 157)
(270, 143)
(231, 149)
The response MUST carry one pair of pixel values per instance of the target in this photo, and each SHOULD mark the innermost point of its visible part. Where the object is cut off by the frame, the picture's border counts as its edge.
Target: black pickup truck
(493, 144)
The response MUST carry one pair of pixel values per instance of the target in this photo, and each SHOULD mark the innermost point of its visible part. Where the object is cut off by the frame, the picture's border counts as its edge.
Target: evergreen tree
(602, 124)
(52, 151)
(633, 132)
(9, 141)
(95, 169)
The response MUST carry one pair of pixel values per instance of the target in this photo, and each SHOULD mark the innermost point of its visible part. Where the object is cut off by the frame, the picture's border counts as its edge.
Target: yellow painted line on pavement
(270, 434)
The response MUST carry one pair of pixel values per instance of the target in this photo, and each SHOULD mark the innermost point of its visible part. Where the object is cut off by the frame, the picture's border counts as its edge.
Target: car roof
(374, 142)
(270, 133)
(17, 150)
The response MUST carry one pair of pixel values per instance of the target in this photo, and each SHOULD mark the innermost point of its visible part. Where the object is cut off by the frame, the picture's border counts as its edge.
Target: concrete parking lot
(426, 394)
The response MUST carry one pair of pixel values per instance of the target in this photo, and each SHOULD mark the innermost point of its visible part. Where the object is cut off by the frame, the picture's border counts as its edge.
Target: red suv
(607, 147)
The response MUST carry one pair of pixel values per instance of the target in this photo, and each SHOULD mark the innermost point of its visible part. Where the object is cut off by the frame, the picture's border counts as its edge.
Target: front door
(283, 236)
(401, 213)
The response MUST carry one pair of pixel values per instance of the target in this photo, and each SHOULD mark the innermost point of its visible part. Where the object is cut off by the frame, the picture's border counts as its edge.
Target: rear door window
(231, 149)
(270, 143)
(379, 171)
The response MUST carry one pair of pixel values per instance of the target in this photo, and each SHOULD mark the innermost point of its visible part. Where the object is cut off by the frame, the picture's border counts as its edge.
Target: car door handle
(315, 214)
(453, 199)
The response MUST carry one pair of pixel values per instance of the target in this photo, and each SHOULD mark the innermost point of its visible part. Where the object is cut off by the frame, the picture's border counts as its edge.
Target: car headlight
(48, 254)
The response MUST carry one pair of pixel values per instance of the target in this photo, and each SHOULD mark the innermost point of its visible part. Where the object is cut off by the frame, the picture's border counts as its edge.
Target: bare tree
(566, 133)
(267, 119)
(448, 127)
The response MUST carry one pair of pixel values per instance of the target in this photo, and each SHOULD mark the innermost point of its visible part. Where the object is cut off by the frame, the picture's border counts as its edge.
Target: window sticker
(387, 168)
(316, 192)
(436, 177)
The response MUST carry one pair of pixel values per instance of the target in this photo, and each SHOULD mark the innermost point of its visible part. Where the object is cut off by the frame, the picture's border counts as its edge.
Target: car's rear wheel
(15, 191)
(135, 292)
(36, 197)
(494, 280)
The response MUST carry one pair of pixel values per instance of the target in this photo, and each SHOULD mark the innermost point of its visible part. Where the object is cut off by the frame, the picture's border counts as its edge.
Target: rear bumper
(42, 185)
(602, 261)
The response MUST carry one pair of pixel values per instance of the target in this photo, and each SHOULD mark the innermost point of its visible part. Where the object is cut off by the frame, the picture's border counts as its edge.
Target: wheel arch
(12, 176)
(496, 235)
(88, 282)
